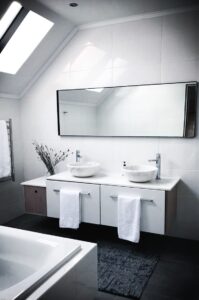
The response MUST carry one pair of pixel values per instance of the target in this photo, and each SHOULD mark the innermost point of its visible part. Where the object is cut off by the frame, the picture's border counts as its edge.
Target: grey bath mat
(122, 270)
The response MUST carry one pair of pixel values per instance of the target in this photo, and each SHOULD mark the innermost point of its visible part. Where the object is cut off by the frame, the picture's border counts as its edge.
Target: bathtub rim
(19, 291)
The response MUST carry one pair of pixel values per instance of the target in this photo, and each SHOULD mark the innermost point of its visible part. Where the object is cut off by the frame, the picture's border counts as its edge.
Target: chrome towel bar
(82, 194)
(115, 197)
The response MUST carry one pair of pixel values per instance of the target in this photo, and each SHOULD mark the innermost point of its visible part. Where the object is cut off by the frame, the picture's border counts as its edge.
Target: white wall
(11, 200)
(153, 50)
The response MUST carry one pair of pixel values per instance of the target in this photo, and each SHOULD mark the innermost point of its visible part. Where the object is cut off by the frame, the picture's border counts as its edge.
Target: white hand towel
(5, 159)
(69, 209)
(129, 209)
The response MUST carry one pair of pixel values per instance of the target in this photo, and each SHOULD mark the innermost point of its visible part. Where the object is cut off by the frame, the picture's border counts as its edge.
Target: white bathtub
(27, 259)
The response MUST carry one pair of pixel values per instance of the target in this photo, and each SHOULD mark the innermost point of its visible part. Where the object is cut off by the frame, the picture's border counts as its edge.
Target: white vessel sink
(140, 173)
(83, 169)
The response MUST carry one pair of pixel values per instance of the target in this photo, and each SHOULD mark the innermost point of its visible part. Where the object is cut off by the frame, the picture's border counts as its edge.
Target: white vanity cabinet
(158, 199)
(90, 204)
(152, 207)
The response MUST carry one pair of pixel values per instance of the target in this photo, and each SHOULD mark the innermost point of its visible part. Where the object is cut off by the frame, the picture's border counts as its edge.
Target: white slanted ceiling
(67, 21)
(14, 86)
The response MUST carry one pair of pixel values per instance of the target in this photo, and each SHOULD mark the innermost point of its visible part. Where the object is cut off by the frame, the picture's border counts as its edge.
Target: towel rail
(112, 196)
(116, 197)
(9, 129)
(82, 194)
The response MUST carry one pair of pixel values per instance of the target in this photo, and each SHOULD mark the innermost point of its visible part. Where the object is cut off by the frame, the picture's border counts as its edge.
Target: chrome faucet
(78, 156)
(158, 164)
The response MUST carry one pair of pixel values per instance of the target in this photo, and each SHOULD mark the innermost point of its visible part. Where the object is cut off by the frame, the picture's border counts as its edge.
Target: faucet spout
(77, 155)
(157, 161)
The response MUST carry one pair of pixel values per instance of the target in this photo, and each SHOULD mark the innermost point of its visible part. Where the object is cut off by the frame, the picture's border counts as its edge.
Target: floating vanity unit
(99, 199)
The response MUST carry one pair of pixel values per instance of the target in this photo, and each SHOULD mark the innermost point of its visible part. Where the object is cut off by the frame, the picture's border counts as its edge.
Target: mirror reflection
(162, 110)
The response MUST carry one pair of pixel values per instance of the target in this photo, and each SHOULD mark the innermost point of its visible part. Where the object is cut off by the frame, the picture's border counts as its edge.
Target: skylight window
(99, 90)
(23, 42)
(9, 17)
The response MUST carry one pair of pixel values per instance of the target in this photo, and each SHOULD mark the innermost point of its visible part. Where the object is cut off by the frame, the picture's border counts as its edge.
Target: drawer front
(152, 213)
(35, 200)
(90, 204)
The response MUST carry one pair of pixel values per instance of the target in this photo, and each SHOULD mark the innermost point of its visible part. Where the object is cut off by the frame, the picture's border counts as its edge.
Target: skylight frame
(13, 27)
(8, 16)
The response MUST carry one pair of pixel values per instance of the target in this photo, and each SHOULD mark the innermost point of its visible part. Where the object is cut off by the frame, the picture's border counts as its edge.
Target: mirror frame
(190, 119)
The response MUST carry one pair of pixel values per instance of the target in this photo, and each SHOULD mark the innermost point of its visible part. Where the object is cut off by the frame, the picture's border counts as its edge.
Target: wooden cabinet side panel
(35, 200)
(170, 209)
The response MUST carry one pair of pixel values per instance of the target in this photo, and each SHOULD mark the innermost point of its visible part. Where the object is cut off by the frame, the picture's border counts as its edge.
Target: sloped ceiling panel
(16, 84)
(65, 19)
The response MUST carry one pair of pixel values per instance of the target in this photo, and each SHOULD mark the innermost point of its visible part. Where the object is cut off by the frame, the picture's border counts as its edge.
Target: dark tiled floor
(176, 277)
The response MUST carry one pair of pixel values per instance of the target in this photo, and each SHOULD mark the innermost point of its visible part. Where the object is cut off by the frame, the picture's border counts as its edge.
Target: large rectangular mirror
(160, 110)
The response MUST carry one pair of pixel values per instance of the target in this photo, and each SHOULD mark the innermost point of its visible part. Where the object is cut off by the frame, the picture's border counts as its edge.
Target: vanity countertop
(165, 184)
(39, 182)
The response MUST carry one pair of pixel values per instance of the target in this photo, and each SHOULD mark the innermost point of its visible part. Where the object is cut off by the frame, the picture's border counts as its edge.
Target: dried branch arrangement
(49, 156)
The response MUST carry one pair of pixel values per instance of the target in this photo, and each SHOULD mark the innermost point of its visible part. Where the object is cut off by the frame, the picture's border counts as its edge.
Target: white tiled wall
(161, 49)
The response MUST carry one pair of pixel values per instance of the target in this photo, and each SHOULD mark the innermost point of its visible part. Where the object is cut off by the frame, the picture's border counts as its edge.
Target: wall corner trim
(9, 96)
(138, 17)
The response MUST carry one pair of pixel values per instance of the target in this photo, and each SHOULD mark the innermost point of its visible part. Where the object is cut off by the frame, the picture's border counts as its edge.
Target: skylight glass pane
(9, 16)
(23, 42)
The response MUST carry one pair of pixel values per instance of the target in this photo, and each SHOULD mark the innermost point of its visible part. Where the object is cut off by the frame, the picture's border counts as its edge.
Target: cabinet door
(90, 204)
(152, 213)
(35, 200)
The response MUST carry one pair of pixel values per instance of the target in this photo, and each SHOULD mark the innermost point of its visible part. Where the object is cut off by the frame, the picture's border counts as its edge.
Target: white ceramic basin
(83, 169)
(140, 173)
